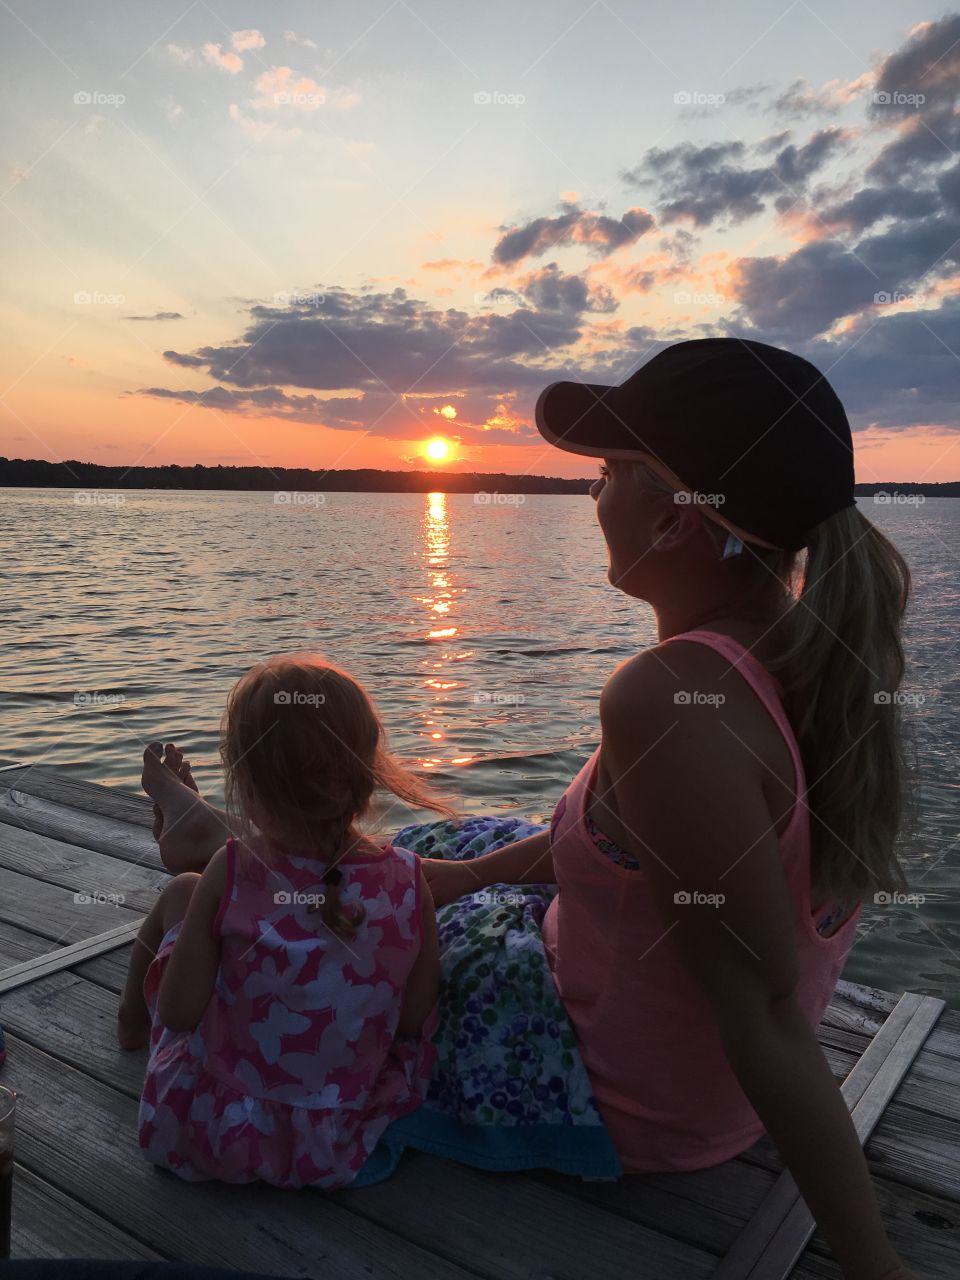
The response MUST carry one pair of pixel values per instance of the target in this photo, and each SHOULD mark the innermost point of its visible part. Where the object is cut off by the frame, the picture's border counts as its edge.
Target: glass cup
(8, 1108)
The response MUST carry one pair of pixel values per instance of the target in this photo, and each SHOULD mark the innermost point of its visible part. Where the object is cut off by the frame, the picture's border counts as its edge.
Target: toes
(153, 749)
(172, 757)
(186, 777)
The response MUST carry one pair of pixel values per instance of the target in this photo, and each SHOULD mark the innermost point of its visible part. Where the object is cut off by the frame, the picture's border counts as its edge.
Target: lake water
(484, 631)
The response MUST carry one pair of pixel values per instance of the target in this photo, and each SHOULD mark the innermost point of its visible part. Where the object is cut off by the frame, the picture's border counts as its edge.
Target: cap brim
(588, 418)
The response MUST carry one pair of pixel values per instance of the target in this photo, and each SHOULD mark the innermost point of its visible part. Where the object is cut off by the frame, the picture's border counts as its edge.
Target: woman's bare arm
(527, 861)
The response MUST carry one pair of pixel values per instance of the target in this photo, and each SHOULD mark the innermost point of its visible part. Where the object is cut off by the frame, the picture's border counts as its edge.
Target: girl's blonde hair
(838, 655)
(301, 742)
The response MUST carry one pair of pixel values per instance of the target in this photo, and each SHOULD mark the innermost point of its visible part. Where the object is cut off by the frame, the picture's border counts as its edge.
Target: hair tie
(332, 876)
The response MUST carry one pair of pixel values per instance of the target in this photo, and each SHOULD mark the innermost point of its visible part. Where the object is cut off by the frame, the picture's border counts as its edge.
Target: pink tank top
(647, 1035)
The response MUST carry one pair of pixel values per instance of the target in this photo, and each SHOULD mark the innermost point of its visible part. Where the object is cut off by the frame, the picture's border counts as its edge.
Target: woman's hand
(450, 880)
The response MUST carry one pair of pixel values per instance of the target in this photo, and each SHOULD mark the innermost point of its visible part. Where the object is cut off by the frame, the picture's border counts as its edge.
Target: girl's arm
(423, 984)
(187, 983)
(527, 861)
(689, 788)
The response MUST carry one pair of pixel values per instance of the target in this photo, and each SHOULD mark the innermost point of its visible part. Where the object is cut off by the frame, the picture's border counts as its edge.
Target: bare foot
(173, 760)
(133, 1027)
(188, 829)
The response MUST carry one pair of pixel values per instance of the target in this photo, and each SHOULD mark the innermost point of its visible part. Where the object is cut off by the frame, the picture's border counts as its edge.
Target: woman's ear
(674, 526)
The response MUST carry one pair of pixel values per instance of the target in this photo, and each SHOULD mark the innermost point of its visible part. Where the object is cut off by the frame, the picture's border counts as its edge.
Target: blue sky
(209, 212)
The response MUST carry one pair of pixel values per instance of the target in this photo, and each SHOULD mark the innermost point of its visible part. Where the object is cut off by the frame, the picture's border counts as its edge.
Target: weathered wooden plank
(125, 840)
(62, 958)
(70, 1125)
(80, 869)
(54, 912)
(48, 1224)
(770, 1245)
(108, 970)
(63, 788)
(17, 945)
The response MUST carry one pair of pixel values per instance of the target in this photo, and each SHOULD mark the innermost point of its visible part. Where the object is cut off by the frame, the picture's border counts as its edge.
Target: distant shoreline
(23, 473)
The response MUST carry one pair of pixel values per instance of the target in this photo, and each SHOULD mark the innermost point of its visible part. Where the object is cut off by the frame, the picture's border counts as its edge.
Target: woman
(713, 852)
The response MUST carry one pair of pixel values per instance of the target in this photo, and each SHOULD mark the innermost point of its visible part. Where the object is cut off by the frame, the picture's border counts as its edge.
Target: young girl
(289, 991)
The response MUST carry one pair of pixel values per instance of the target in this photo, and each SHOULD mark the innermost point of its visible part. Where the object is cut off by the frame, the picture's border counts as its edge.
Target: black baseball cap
(755, 433)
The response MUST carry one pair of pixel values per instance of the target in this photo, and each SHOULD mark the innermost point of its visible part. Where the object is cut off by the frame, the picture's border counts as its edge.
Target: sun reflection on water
(440, 674)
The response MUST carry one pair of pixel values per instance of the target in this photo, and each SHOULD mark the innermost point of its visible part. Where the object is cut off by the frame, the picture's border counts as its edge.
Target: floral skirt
(509, 1089)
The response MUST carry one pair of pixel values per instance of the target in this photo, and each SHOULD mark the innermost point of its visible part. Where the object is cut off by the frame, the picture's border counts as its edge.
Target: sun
(437, 449)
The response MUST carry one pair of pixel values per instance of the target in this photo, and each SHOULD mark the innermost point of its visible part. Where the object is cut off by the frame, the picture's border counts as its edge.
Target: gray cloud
(550, 289)
(601, 234)
(158, 315)
(708, 183)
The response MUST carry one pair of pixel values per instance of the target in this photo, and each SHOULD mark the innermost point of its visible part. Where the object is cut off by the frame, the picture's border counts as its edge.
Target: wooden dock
(69, 850)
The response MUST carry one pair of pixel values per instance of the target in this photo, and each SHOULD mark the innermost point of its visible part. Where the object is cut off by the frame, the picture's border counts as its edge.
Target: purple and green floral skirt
(509, 1089)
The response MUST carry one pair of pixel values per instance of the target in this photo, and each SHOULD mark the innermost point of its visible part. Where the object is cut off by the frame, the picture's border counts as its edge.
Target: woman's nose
(595, 488)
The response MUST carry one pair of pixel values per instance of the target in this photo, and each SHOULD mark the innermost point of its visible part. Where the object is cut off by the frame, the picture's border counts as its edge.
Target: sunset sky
(304, 235)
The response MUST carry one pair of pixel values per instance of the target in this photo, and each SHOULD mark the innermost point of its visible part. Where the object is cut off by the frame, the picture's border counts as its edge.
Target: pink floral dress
(296, 1068)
